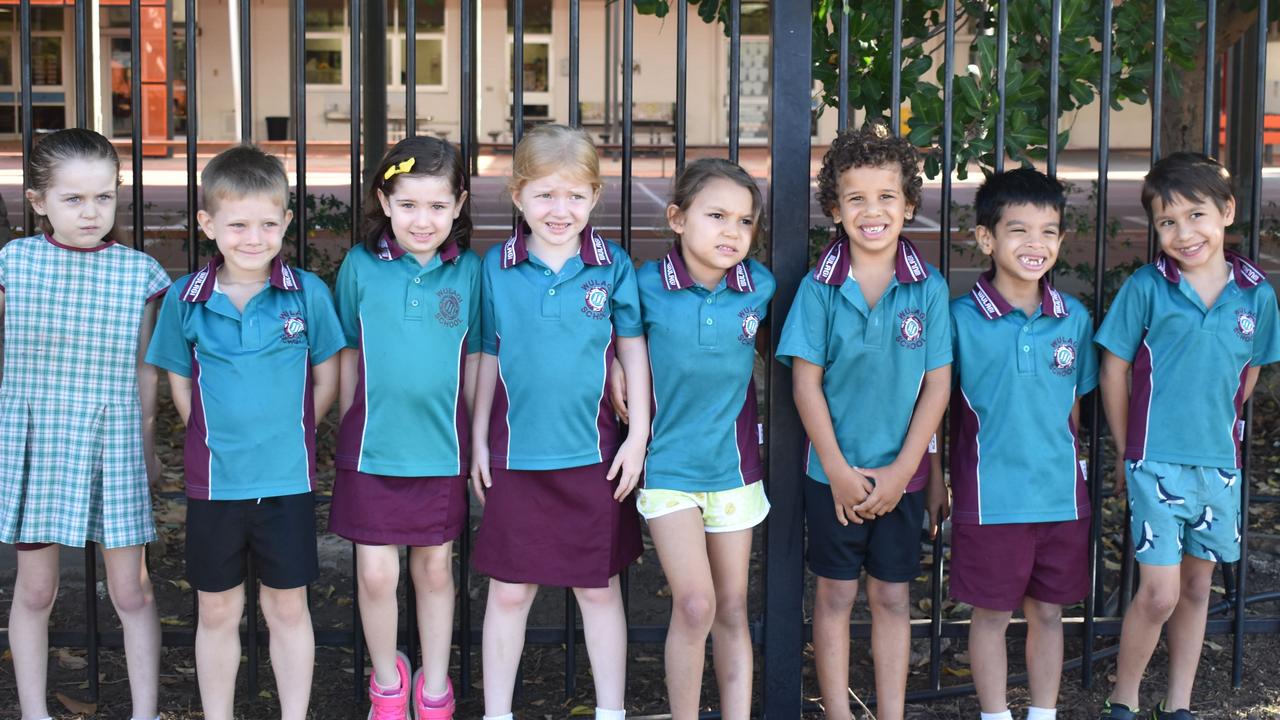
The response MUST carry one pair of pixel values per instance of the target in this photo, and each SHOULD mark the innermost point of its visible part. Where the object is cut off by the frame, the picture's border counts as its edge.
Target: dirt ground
(542, 694)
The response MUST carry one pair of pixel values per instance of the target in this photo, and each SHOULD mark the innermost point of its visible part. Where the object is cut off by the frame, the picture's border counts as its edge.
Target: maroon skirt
(384, 510)
(556, 527)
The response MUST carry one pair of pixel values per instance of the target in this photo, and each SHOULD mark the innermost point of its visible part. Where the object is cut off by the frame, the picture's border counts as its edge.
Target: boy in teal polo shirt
(1023, 356)
(250, 346)
(870, 338)
(1193, 328)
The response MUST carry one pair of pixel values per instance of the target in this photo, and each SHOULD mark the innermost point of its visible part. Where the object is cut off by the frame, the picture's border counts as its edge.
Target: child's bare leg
(1186, 630)
(682, 544)
(132, 596)
(890, 644)
(604, 623)
(832, 606)
(1158, 590)
(218, 650)
(293, 647)
(1044, 651)
(34, 591)
(432, 572)
(505, 615)
(989, 658)
(730, 555)
(379, 576)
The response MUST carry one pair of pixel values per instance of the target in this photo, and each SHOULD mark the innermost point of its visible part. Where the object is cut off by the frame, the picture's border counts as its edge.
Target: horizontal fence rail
(780, 631)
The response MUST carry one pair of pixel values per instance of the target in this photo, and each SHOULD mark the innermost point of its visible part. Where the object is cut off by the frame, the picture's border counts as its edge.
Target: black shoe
(1159, 713)
(1116, 711)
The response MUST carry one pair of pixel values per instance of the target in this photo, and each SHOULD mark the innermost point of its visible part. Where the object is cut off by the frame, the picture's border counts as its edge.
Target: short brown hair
(1189, 175)
(698, 173)
(870, 146)
(241, 171)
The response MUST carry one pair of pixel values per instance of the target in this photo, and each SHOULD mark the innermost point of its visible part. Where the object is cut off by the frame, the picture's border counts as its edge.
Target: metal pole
(842, 68)
(1002, 64)
(82, 82)
(1055, 52)
(193, 137)
(357, 52)
(135, 120)
(26, 114)
(300, 127)
(1210, 74)
(895, 87)
(575, 52)
(246, 72)
(628, 139)
(1157, 105)
(735, 78)
(411, 74)
(375, 81)
(517, 72)
(682, 83)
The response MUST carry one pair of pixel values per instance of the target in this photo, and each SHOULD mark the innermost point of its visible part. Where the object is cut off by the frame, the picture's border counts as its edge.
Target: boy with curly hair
(869, 338)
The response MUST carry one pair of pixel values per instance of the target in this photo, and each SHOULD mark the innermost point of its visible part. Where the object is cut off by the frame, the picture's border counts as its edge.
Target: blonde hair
(241, 171)
(548, 149)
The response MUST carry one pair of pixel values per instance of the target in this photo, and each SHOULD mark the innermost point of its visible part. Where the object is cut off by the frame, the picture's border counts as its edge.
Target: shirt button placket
(417, 298)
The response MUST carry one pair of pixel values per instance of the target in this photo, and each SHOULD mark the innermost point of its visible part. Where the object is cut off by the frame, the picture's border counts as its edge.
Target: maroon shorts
(556, 527)
(383, 510)
(995, 566)
(31, 546)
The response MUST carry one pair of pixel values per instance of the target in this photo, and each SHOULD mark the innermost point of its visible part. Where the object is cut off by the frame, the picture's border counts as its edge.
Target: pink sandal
(423, 711)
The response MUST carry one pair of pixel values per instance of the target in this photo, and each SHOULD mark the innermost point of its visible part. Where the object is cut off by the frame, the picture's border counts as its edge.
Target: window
(537, 16)
(47, 75)
(324, 60)
(429, 41)
(326, 44)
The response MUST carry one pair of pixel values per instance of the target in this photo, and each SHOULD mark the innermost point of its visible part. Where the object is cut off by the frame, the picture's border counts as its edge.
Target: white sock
(602, 714)
(157, 717)
(508, 716)
(1039, 713)
(1006, 715)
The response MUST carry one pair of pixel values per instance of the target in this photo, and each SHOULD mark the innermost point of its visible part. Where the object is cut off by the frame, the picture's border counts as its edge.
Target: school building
(328, 53)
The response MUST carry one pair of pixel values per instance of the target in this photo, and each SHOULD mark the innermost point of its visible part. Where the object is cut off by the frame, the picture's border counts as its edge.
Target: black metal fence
(780, 631)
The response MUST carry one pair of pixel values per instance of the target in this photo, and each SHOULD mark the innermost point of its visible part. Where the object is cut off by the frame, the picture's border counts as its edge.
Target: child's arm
(937, 496)
(147, 387)
(1, 335)
(1113, 379)
(180, 389)
(1251, 381)
(848, 487)
(633, 353)
(486, 382)
(324, 385)
(891, 480)
(470, 381)
(348, 377)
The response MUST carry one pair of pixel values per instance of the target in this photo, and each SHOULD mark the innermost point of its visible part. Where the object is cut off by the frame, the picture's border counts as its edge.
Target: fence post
(790, 73)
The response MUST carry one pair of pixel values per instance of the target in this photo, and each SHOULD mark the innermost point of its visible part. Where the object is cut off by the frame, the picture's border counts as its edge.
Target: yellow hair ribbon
(395, 170)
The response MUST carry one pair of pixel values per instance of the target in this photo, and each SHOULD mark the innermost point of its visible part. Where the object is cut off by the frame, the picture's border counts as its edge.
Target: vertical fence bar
(895, 87)
(570, 602)
(1210, 74)
(575, 52)
(411, 74)
(1255, 229)
(790, 73)
(735, 77)
(26, 114)
(193, 136)
(628, 139)
(842, 68)
(135, 118)
(1097, 470)
(1055, 51)
(353, 77)
(1002, 62)
(948, 73)
(1157, 104)
(300, 127)
(682, 83)
(466, 128)
(609, 69)
(82, 82)
(357, 634)
(517, 73)
(246, 71)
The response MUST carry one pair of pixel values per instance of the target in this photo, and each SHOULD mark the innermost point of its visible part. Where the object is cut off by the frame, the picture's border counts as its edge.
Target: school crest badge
(595, 299)
(1246, 324)
(450, 312)
(750, 325)
(911, 328)
(293, 328)
(1064, 356)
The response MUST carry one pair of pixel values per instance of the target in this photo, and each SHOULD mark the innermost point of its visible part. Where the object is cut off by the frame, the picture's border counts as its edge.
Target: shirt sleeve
(1266, 339)
(804, 334)
(170, 349)
(158, 280)
(324, 331)
(488, 318)
(626, 297)
(1087, 377)
(765, 286)
(4, 264)
(347, 300)
(476, 299)
(937, 339)
(1126, 322)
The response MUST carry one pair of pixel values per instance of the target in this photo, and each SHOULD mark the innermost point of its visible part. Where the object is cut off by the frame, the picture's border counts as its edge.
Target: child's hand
(848, 488)
(155, 468)
(937, 501)
(618, 389)
(481, 480)
(630, 463)
(890, 485)
(1120, 476)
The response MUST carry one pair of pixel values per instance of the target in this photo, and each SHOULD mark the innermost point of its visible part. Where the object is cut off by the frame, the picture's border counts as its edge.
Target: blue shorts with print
(1183, 510)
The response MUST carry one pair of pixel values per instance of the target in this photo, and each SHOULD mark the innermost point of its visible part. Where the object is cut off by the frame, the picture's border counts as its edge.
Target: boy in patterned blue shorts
(1192, 328)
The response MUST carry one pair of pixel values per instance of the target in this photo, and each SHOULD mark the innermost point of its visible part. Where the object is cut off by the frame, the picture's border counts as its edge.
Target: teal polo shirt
(1013, 444)
(553, 334)
(874, 359)
(702, 354)
(1189, 361)
(413, 326)
(252, 429)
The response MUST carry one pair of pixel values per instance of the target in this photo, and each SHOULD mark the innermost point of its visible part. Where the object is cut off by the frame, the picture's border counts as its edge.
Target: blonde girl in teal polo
(702, 496)
(408, 298)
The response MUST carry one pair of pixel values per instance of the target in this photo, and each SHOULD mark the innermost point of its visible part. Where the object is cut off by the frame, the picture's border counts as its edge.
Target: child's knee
(836, 595)
(1157, 600)
(731, 612)
(433, 573)
(38, 595)
(285, 607)
(889, 599)
(220, 609)
(379, 579)
(598, 597)
(697, 610)
(989, 621)
(1042, 613)
(507, 597)
(130, 596)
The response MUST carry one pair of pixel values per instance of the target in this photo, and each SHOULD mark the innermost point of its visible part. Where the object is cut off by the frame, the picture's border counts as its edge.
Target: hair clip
(395, 170)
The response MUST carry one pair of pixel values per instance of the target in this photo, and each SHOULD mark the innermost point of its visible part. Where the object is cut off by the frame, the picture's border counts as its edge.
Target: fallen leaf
(265, 694)
(1213, 646)
(67, 661)
(170, 620)
(581, 711)
(957, 672)
(77, 707)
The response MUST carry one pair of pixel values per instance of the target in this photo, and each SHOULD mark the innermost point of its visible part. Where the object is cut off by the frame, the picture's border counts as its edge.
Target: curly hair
(870, 146)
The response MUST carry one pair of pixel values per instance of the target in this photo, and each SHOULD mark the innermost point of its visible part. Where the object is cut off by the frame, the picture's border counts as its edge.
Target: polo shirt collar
(106, 243)
(1243, 270)
(833, 265)
(200, 287)
(389, 249)
(593, 250)
(992, 304)
(675, 274)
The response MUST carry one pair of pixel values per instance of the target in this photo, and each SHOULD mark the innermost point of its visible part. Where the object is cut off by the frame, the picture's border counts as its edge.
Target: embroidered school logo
(596, 299)
(911, 331)
(1246, 324)
(450, 312)
(293, 327)
(1064, 356)
(750, 325)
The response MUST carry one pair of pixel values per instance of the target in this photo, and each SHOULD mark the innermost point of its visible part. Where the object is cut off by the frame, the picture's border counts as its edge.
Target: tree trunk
(1182, 122)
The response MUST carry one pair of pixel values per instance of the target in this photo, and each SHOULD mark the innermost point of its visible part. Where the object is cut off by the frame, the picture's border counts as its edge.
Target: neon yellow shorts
(723, 511)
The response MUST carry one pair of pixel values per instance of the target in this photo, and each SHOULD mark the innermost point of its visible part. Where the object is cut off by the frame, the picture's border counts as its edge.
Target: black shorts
(279, 532)
(888, 547)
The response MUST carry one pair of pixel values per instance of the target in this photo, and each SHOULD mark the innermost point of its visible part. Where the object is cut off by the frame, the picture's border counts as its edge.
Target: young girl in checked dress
(77, 408)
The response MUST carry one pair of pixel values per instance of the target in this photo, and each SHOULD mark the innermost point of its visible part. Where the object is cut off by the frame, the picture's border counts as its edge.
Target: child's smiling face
(249, 231)
(872, 207)
(421, 209)
(1192, 231)
(1024, 243)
